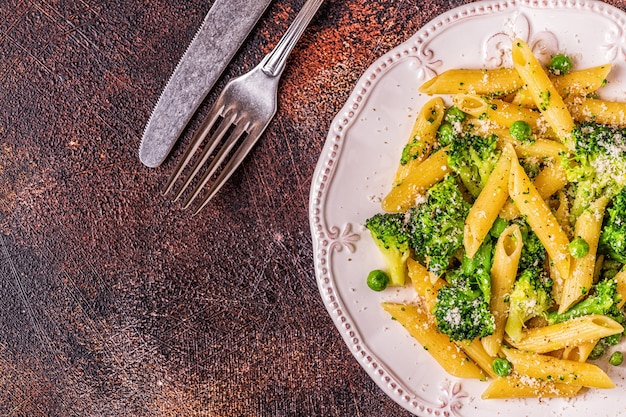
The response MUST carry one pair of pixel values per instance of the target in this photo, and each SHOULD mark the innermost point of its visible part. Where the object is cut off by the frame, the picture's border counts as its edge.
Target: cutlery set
(239, 115)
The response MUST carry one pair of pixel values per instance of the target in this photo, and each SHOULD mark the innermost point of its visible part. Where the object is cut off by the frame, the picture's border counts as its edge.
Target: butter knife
(224, 29)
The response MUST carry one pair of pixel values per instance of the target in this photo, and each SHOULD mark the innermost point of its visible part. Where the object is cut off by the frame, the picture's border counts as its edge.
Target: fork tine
(197, 139)
(229, 144)
(236, 159)
(228, 119)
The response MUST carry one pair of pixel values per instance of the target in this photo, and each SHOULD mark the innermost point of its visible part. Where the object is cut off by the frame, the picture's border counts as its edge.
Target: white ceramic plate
(357, 165)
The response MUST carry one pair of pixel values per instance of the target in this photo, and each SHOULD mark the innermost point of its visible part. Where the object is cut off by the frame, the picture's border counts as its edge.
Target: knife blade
(224, 29)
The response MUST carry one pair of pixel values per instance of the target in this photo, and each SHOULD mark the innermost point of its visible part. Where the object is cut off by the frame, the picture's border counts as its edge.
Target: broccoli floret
(613, 237)
(390, 233)
(610, 268)
(473, 157)
(462, 308)
(479, 267)
(597, 164)
(436, 226)
(529, 298)
(603, 299)
(533, 253)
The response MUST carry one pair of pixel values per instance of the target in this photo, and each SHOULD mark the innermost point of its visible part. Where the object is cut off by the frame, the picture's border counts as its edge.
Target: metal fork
(244, 109)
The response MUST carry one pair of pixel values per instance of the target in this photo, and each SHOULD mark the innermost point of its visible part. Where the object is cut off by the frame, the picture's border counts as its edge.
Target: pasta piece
(596, 110)
(479, 355)
(545, 95)
(582, 82)
(523, 98)
(518, 386)
(425, 283)
(503, 272)
(575, 83)
(451, 358)
(588, 227)
(569, 333)
(579, 353)
(501, 112)
(488, 204)
(472, 104)
(562, 213)
(482, 82)
(549, 181)
(540, 148)
(432, 170)
(540, 218)
(549, 368)
(423, 136)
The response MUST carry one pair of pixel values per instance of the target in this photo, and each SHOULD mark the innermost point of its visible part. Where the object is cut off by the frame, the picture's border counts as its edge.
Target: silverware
(240, 114)
(225, 27)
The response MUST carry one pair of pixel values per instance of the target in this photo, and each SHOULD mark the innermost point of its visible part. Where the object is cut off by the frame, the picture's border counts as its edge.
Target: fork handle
(274, 62)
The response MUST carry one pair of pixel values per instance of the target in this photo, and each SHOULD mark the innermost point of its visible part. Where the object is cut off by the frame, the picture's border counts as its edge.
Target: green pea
(578, 247)
(377, 280)
(616, 358)
(502, 367)
(521, 131)
(560, 64)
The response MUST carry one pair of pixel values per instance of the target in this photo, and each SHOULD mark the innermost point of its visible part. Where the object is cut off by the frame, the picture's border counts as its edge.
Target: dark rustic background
(114, 301)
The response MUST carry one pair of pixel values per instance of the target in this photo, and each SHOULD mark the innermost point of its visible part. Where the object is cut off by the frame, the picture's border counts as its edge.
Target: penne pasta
(501, 112)
(596, 110)
(546, 97)
(472, 104)
(570, 333)
(425, 283)
(517, 386)
(576, 83)
(476, 352)
(450, 356)
(549, 181)
(540, 148)
(488, 204)
(503, 272)
(582, 82)
(432, 170)
(562, 214)
(563, 371)
(543, 222)
(422, 139)
(579, 282)
(495, 82)
(579, 353)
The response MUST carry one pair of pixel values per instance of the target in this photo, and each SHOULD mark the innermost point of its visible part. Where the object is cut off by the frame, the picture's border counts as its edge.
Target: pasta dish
(507, 215)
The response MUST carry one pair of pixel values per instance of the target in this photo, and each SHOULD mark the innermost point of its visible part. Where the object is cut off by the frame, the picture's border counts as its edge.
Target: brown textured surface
(113, 301)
